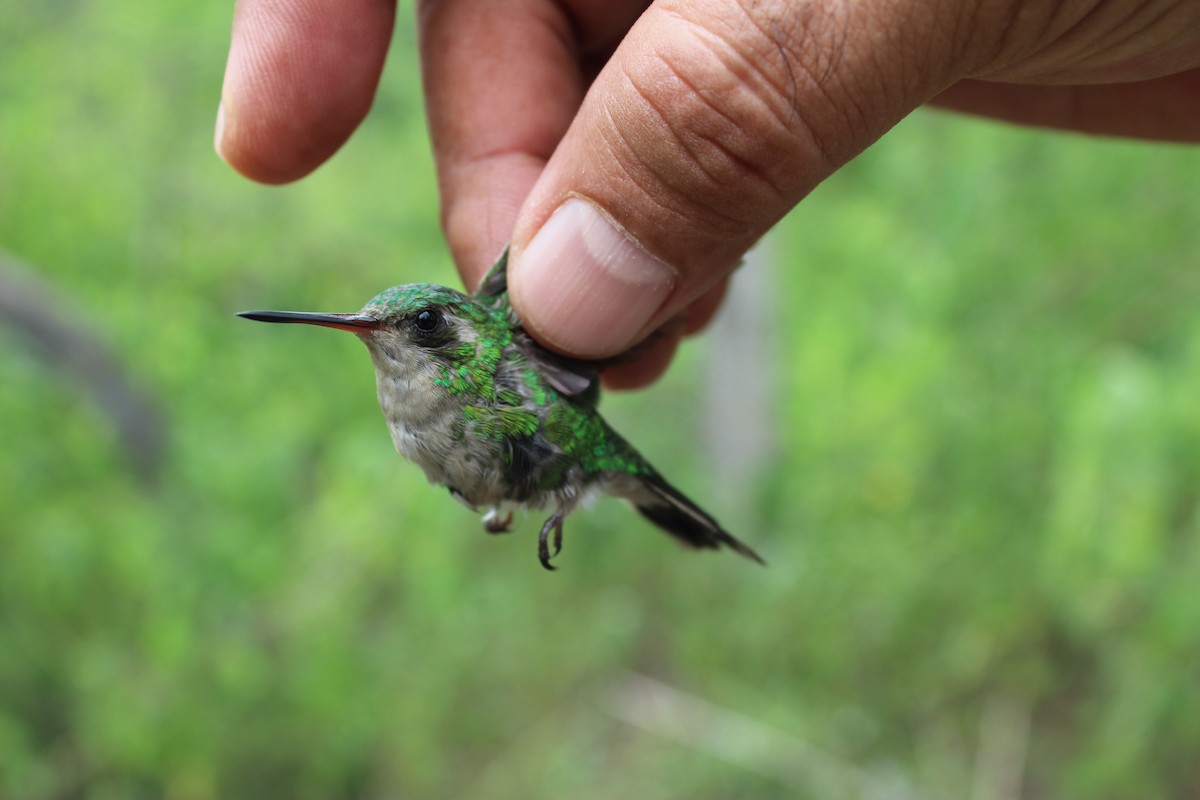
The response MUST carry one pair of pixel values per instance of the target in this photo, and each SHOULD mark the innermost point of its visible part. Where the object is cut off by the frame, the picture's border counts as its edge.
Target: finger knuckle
(717, 136)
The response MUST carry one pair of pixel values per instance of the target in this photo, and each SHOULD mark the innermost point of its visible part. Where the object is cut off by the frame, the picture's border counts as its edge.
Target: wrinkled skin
(694, 125)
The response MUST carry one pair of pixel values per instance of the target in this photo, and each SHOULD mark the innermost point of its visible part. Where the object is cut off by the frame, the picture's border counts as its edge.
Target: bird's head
(411, 329)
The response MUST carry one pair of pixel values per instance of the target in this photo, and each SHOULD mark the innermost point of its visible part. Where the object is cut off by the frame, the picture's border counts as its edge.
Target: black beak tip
(348, 322)
(269, 316)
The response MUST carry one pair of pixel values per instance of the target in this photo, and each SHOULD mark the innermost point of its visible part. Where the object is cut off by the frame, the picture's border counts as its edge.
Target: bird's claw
(555, 523)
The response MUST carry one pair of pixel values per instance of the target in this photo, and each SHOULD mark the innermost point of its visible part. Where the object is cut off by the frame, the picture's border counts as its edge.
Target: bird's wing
(493, 290)
(569, 376)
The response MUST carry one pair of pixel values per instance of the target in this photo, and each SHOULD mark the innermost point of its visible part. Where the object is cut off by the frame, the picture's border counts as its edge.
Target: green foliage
(981, 522)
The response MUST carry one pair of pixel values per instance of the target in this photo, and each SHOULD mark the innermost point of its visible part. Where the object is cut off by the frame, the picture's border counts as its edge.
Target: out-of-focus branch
(70, 345)
(740, 423)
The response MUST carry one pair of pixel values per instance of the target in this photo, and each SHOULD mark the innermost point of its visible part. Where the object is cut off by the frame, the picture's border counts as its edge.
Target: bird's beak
(355, 323)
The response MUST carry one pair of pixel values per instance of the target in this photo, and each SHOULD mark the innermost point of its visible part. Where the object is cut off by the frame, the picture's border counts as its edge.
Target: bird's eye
(427, 321)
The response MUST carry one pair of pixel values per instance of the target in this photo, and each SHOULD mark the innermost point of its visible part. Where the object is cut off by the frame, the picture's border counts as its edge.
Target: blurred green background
(981, 507)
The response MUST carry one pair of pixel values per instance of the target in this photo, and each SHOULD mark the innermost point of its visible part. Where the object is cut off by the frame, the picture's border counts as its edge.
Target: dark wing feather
(493, 290)
(569, 376)
(534, 466)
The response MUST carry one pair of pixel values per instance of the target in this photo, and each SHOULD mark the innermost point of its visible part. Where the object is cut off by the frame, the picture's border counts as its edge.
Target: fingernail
(585, 285)
(219, 133)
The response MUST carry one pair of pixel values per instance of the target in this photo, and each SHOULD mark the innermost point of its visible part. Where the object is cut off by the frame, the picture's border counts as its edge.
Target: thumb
(710, 121)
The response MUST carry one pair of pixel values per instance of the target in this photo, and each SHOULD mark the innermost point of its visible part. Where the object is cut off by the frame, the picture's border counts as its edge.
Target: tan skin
(533, 101)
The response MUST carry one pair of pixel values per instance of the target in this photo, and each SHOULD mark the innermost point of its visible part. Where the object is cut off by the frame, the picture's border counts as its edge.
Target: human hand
(633, 154)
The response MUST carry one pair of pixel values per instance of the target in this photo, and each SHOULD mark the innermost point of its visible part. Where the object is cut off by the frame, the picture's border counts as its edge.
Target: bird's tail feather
(667, 507)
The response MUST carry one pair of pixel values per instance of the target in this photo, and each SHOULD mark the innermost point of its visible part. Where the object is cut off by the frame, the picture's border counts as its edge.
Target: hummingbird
(499, 420)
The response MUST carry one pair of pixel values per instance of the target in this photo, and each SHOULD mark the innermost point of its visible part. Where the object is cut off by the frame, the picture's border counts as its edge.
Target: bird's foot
(555, 523)
(494, 523)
